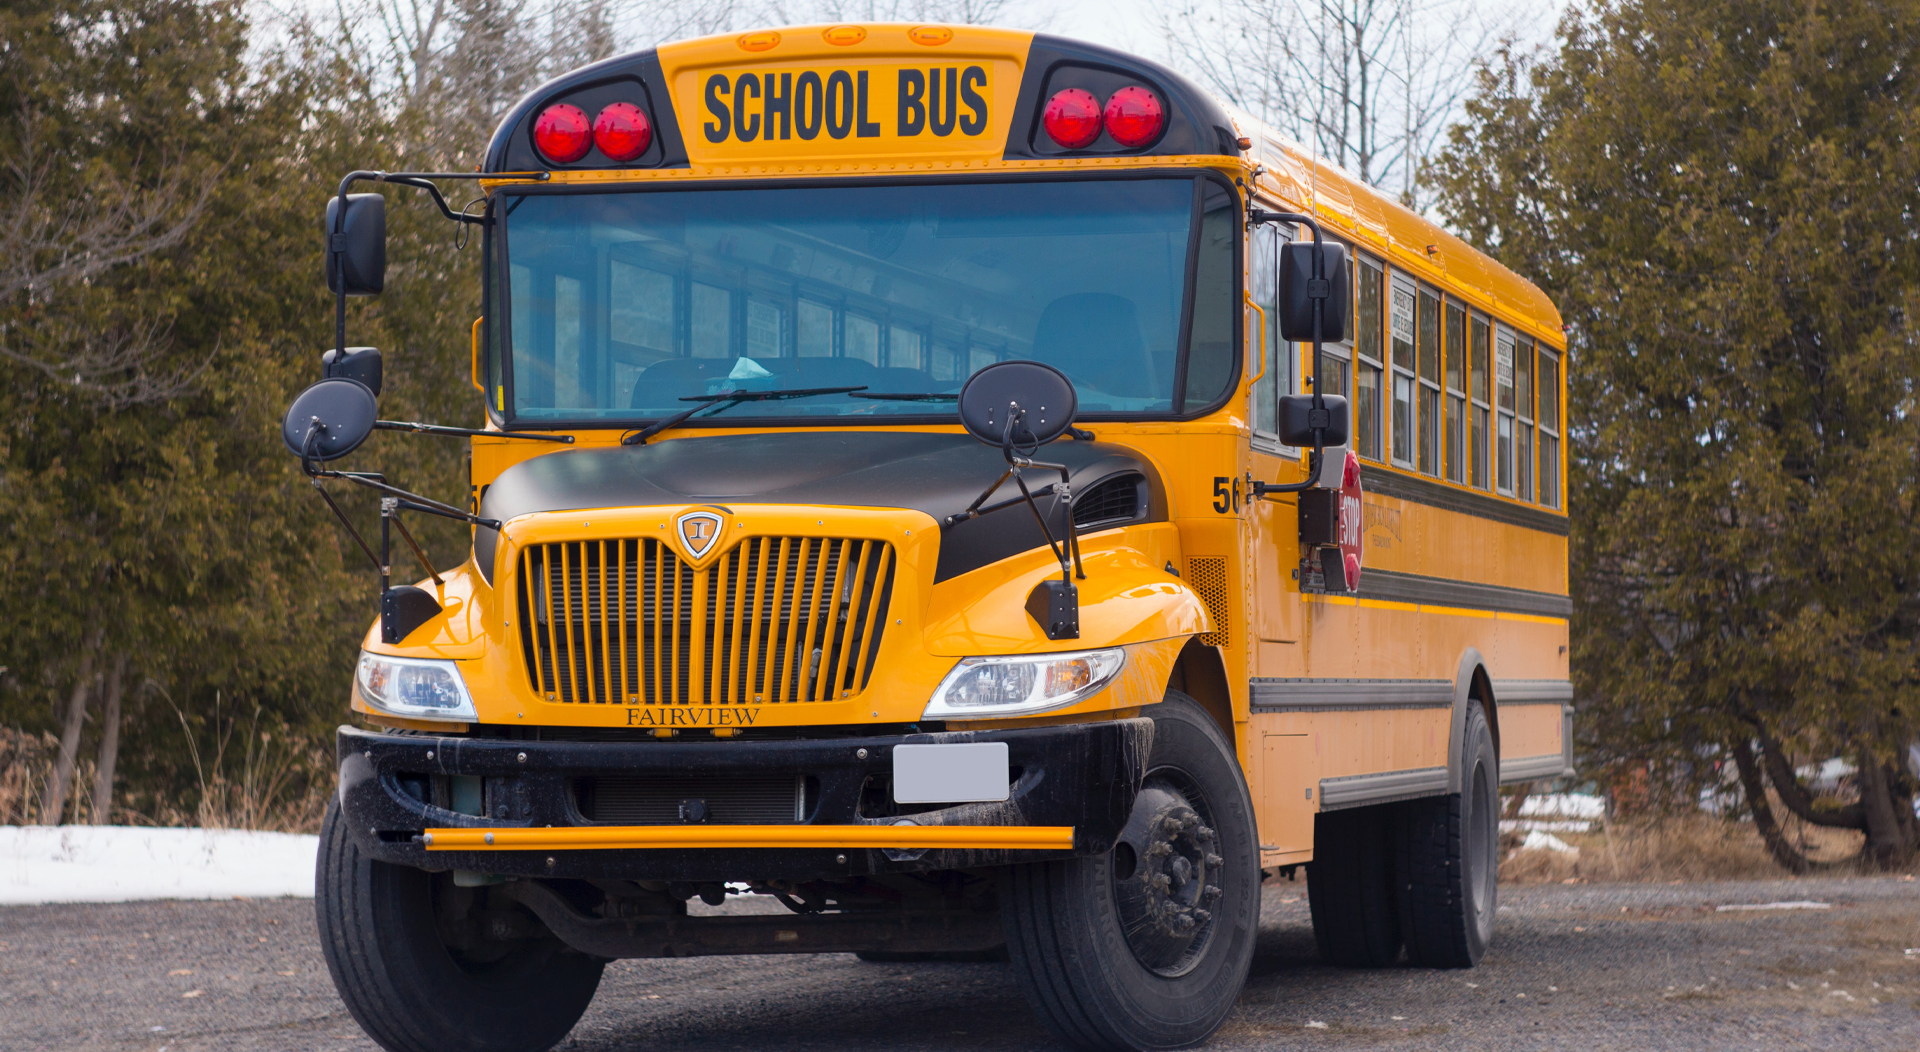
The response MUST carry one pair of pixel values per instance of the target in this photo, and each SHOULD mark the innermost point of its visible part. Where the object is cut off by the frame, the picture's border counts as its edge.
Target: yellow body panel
(1222, 575)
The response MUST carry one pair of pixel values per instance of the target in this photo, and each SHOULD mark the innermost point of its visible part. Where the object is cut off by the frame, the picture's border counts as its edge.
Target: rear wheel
(425, 966)
(1148, 945)
(1350, 887)
(1447, 859)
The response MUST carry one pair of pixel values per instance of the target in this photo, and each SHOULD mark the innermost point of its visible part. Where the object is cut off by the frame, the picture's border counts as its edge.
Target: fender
(1127, 597)
(1470, 683)
(456, 631)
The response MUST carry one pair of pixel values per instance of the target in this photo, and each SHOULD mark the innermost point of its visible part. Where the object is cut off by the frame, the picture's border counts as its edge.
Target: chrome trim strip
(1398, 587)
(1359, 790)
(1527, 691)
(1532, 768)
(1271, 694)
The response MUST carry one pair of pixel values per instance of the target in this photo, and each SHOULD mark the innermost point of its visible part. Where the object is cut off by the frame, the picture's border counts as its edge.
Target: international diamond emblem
(699, 532)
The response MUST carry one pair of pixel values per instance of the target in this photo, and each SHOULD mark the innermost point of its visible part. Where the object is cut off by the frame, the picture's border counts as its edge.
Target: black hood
(938, 474)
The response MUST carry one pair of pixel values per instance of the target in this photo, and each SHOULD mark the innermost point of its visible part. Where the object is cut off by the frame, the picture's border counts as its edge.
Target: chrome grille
(775, 619)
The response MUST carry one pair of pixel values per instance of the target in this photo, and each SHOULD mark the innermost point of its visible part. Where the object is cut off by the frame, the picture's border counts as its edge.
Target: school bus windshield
(624, 305)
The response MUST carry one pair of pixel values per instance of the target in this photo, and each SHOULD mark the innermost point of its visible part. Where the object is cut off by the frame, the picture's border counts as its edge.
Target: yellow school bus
(914, 487)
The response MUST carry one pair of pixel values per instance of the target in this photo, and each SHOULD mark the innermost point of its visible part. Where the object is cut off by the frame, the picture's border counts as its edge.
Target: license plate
(967, 773)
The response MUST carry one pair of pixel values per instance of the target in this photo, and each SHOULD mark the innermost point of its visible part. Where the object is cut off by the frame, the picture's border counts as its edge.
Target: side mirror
(1036, 400)
(1297, 286)
(329, 420)
(355, 363)
(357, 246)
(1297, 423)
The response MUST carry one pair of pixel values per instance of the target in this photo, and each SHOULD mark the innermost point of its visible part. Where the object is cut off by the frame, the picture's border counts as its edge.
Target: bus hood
(938, 474)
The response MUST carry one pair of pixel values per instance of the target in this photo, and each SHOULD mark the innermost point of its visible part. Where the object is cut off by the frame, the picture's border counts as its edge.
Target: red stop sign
(1352, 522)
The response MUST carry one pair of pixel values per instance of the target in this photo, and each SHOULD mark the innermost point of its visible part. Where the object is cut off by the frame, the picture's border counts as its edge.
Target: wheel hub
(1166, 873)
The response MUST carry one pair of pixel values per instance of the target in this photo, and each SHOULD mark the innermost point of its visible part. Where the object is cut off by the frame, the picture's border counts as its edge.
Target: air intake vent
(777, 619)
(1111, 501)
(1209, 578)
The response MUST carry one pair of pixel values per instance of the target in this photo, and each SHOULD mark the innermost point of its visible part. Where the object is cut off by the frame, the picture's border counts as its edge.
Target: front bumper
(1080, 775)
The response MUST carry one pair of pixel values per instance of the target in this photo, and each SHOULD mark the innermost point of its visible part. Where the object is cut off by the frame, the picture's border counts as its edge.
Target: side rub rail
(1275, 695)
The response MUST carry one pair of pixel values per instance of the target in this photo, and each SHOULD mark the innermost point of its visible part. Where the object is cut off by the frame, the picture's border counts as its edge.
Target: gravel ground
(1590, 967)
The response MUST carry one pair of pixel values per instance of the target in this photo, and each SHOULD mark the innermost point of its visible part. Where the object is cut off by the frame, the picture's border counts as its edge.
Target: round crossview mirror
(342, 411)
(1037, 399)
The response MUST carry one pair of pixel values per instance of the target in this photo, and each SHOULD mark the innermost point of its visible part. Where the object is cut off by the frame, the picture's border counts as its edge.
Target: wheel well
(1480, 689)
(1200, 674)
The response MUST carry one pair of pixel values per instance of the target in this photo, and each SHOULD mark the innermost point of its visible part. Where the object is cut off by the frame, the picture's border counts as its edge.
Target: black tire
(381, 932)
(1103, 974)
(1350, 887)
(1447, 860)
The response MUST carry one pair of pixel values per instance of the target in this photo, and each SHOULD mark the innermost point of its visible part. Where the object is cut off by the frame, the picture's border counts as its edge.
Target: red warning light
(1072, 118)
(562, 134)
(622, 131)
(1134, 117)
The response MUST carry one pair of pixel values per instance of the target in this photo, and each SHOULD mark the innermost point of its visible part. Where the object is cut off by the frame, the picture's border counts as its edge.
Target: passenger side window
(1549, 403)
(1369, 388)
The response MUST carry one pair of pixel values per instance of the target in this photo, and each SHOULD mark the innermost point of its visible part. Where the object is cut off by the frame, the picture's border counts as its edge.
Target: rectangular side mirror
(1297, 423)
(361, 248)
(359, 363)
(1297, 285)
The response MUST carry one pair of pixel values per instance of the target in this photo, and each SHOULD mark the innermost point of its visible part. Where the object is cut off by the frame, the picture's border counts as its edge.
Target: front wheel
(425, 966)
(1148, 945)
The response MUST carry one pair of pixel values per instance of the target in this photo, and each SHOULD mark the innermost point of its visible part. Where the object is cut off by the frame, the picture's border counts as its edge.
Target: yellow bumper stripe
(589, 838)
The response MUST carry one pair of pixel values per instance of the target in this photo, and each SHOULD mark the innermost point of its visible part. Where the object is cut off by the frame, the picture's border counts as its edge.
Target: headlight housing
(419, 687)
(980, 687)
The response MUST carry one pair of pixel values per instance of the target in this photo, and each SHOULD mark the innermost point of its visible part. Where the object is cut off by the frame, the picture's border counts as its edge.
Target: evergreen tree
(1723, 197)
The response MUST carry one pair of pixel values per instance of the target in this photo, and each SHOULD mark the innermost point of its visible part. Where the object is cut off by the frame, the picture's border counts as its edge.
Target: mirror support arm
(336, 239)
(1317, 290)
(466, 432)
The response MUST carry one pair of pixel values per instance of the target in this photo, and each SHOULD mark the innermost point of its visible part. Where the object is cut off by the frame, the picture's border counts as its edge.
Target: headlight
(979, 687)
(415, 687)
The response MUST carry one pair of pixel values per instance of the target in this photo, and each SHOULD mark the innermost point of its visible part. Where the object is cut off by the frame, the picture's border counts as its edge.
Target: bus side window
(1401, 321)
(1503, 351)
(1429, 339)
(1263, 252)
(1456, 382)
(1480, 380)
(1369, 365)
(1549, 402)
(1523, 441)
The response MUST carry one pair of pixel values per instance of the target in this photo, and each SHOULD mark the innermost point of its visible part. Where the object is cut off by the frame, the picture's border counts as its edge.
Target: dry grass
(25, 762)
(1685, 847)
(272, 781)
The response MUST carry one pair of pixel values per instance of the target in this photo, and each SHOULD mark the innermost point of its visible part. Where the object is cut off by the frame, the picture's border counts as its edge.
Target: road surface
(1591, 968)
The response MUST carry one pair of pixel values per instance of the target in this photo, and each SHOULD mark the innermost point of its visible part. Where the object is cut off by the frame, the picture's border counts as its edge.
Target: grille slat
(774, 619)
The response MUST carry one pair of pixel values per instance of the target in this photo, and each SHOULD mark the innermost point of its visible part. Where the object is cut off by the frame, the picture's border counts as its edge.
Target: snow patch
(1539, 841)
(1563, 805)
(40, 864)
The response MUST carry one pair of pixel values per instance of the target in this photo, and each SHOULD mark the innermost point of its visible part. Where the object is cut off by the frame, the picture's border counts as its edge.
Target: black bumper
(1081, 775)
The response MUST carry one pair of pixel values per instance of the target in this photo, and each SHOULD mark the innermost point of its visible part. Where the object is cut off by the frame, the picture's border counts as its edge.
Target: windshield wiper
(890, 396)
(639, 438)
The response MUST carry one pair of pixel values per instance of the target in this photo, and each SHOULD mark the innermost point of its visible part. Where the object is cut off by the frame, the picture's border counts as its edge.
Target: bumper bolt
(840, 860)
(489, 838)
(860, 754)
(523, 757)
